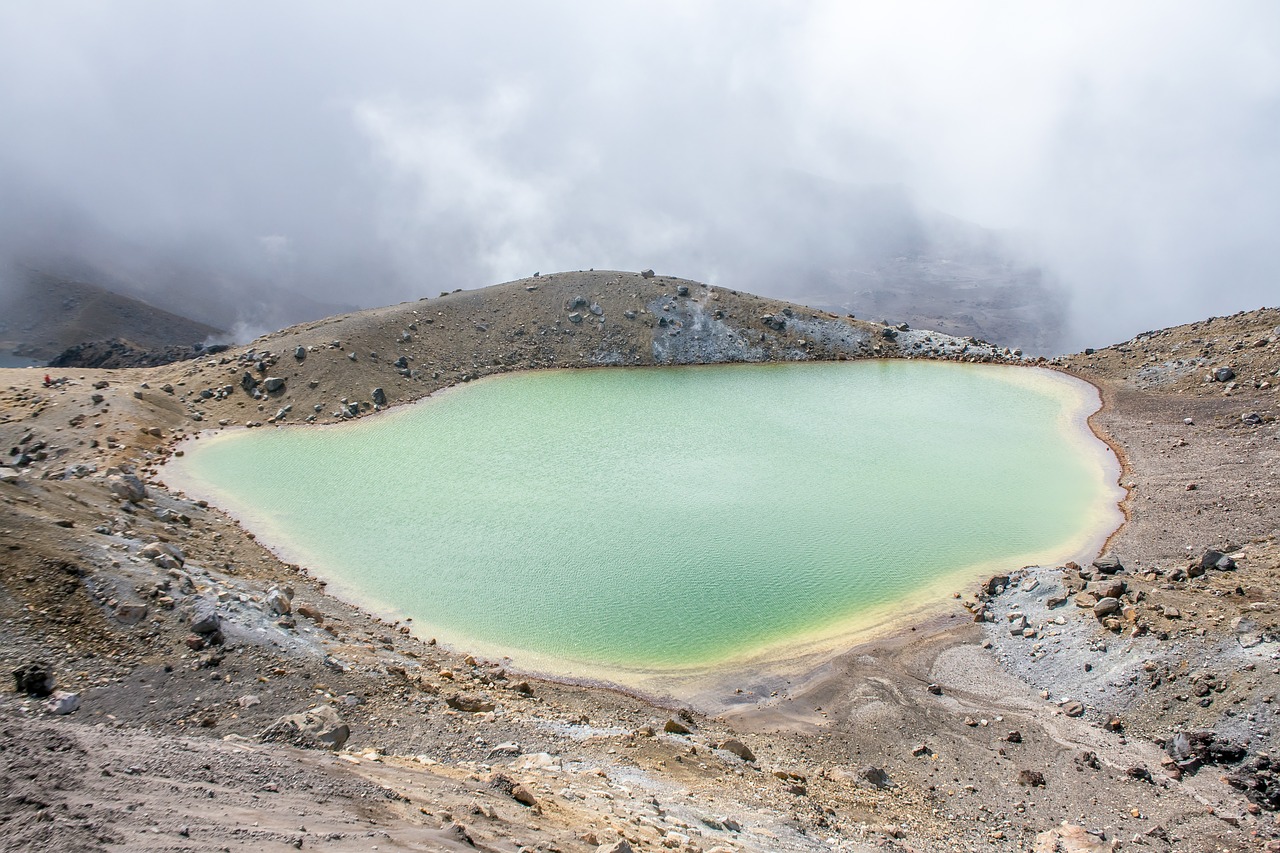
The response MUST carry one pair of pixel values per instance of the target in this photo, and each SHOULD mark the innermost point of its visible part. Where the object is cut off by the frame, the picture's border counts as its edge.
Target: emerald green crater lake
(660, 519)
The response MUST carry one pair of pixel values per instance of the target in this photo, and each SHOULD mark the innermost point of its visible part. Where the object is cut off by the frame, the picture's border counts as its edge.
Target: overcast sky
(367, 153)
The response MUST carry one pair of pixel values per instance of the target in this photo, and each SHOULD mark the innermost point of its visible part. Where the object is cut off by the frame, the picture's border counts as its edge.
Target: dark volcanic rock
(33, 679)
(115, 353)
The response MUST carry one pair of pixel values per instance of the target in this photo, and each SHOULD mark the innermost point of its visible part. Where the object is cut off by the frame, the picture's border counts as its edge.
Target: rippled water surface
(675, 516)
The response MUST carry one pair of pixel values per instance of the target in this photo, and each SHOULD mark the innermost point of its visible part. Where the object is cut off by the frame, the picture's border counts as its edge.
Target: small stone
(130, 614)
(874, 776)
(1073, 709)
(62, 702)
(1031, 778)
(468, 703)
(1106, 607)
(675, 728)
(621, 845)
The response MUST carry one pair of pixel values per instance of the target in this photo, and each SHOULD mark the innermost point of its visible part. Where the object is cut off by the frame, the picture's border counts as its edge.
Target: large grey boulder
(1215, 559)
(317, 728)
(127, 487)
(204, 617)
(279, 602)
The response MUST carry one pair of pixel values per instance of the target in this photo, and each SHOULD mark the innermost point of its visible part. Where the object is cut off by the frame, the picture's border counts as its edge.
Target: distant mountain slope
(877, 253)
(41, 315)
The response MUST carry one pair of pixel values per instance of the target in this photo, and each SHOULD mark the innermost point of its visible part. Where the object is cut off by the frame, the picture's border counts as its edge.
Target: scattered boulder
(646, 273)
(130, 614)
(508, 787)
(204, 617)
(1086, 599)
(1223, 374)
(248, 382)
(575, 317)
(127, 487)
(997, 584)
(1108, 565)
(1069, 838)
(674, 727)
(1031, 778)
(300, 352)
(1215, 559)
(317, 728)
(1107, 587)
(164, 554)
(508, 749)
(1073, 708)
(468, 703)
(1190, 750)
(1106, 607)
(738, 748)
(874, 776)
(621, 845)
(379, 397)
(34, 679)
(1139, 774)
(682, 290)
(62, 702)
(889, 333)
(279, 602)
(1259, 780)
(273, 384)
(312, 613)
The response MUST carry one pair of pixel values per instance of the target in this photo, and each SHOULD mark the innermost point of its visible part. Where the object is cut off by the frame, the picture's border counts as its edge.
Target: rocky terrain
(177, 687)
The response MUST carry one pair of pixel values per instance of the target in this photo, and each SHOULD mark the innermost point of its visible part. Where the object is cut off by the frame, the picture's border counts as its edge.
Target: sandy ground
(929, 737)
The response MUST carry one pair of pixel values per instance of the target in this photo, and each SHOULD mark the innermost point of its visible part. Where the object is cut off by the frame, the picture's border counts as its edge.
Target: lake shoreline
(671, 684)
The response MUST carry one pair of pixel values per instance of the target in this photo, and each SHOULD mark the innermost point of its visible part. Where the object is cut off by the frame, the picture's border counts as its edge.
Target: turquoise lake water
(674, 517)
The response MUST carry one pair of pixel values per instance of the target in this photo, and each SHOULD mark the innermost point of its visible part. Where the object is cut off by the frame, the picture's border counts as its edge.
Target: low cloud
(365, 156)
